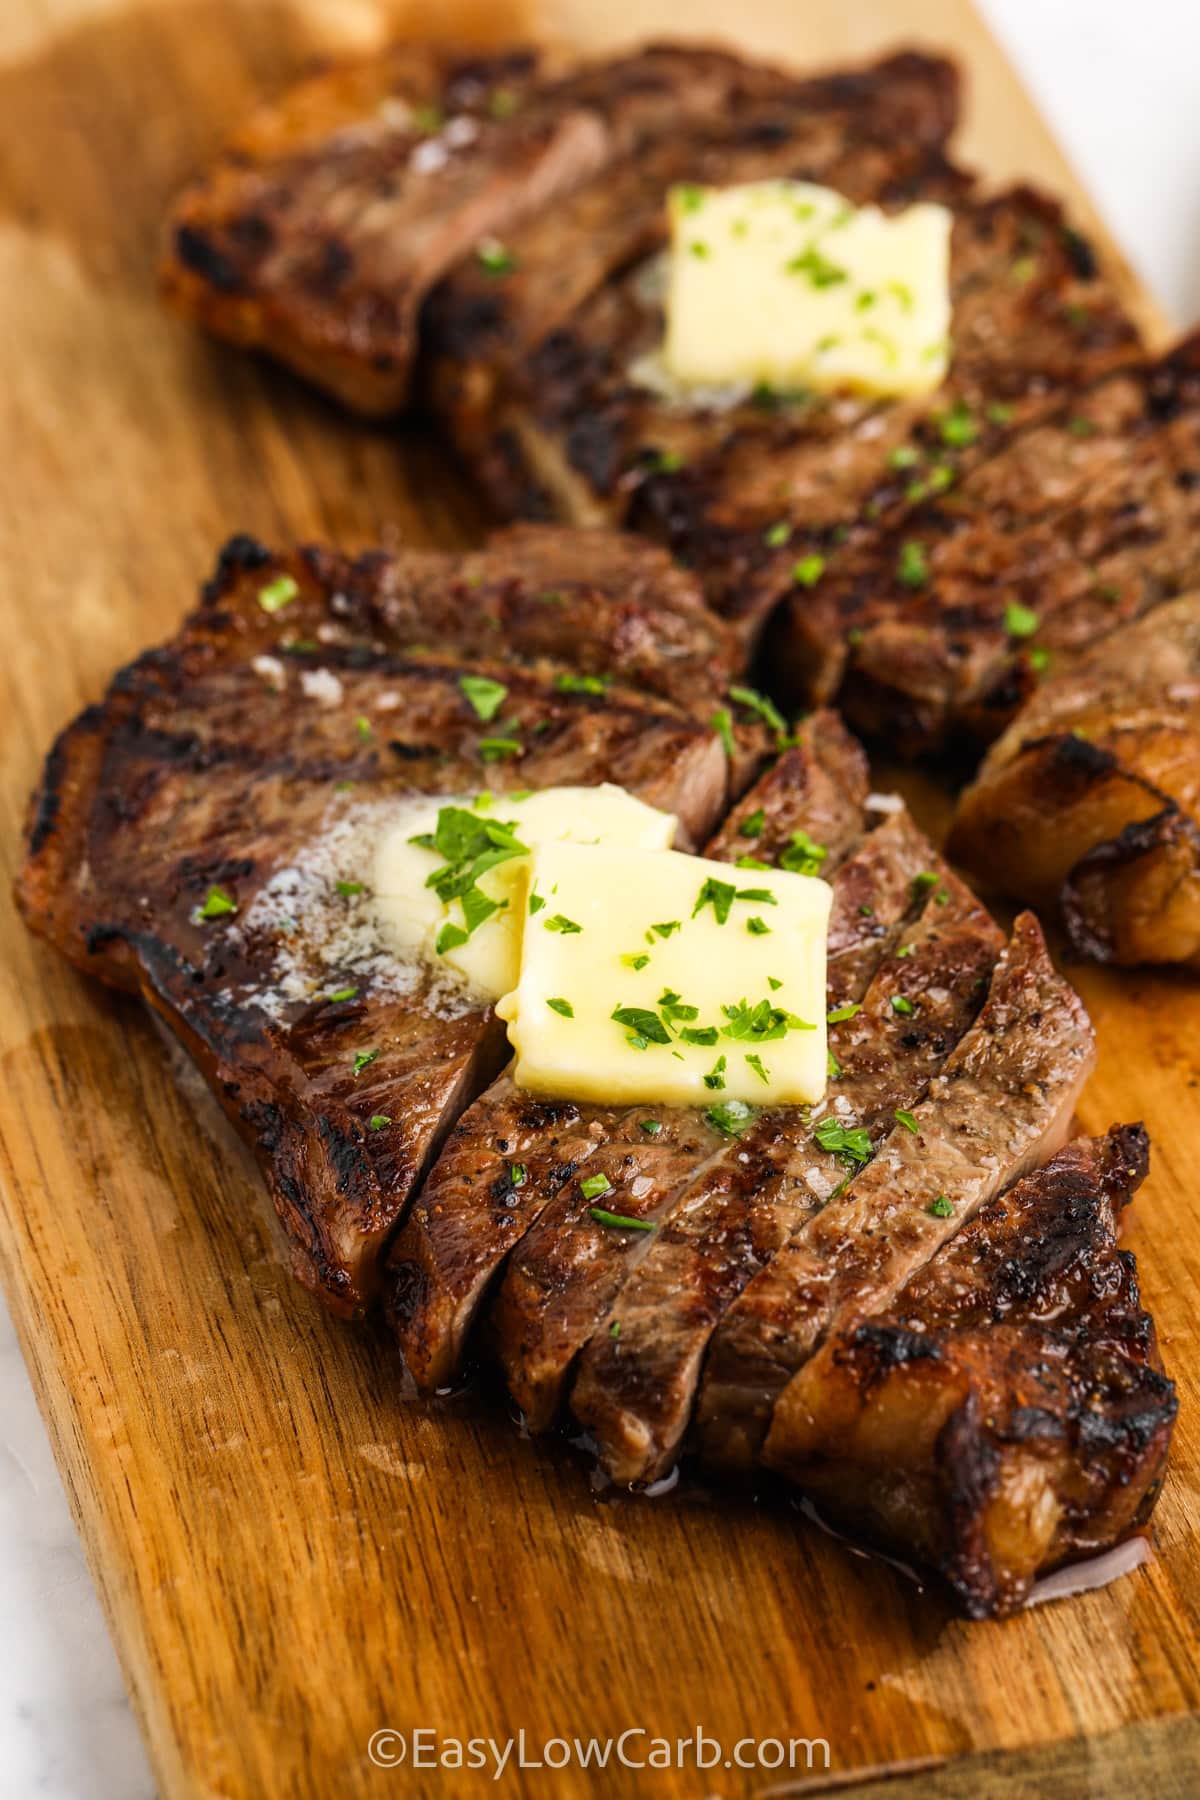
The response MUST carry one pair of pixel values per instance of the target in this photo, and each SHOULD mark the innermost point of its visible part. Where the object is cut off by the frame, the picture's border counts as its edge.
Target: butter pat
(415, 920)
(653, 976)
(785, 284)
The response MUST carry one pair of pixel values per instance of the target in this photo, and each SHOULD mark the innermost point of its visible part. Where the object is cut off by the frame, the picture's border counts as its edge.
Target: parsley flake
(484, 695)
(278, 593)
(563, 1007)
(217, 904)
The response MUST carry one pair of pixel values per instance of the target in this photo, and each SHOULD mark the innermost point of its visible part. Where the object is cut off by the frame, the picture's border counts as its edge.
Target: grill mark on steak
(212, 763)
(1007, 1412)
(1002, 1102)
(457, 1237)
(565, 1282)
(634, 1391)
(1084, 519)
(1101, 827)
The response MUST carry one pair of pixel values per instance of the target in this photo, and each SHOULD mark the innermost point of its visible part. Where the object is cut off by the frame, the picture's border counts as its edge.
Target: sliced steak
(1002, 1102)
(532, 373)
(471, 1214)
(637, 1382)
(564, 1284)
(320, 230)
(933, 627)
(205, 835)
(1006, 1412)
(1088, 806)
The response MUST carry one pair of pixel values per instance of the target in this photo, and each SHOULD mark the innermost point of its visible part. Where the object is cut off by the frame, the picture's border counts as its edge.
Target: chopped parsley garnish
(471, 846)
(997, 413)
(756, 1063)
(773, 984)
(493, 257)
(278, 593)
(614, 1330)
(688, 197)
(518, 1174)
(851, 1010)
(620, 1220)
(777, 535)
(912, 566)
(486, 696)
(901, 1005)
(802, 856)
(722, 724)
(363, 1059)
(808, 570)
(559, 922)
(942, 1207)
(217, 904)
(752, 825)
(763, 895)
(348, 889)
(819, 270)
(665, 462)
(1039, 659)
(757, 927)
(761, 706)
(1020, 621)
(363, 727)
(536, 903)
(746, 861)
(591, 1186)
(924, 878)
(582, 684)
(906, 1119)
(719, 895)
(904, 456)
(637, 960)
(957, 427)
(667, 927)
(563, 1007)
(761, 1023)
(716, 1075)
(733, 1117)
(698, 1034)
(651, 1127)
(377, 1121)
(852, 1143)
(833, 1067)
(642, 1023)
(495, 749)
(449, 937)
(339, 994)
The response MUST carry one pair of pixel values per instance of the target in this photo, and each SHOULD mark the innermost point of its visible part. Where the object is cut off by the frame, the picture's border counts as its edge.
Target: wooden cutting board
(292, 1553)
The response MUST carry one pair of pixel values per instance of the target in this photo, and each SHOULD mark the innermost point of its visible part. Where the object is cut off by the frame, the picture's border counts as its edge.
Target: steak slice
(1007, 1412)
(204, 837)
(563, 1285)
(1002, 1102)
(933, 626)
(320, 230)
(1088, 806)
(637, 1382)
(519, 364)
(471, 1214)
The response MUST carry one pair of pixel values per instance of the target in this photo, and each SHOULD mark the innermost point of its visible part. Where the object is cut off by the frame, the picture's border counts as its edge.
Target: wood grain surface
(293, 1554)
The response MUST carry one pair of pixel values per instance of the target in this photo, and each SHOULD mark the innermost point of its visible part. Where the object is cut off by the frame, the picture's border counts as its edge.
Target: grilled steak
(577, 428)
(202, 836)
(471, 1216)
(933, 626)
(1002, 1102)
(318, 233)
(1007, 1411)
(636, 1384)
(1089, 805)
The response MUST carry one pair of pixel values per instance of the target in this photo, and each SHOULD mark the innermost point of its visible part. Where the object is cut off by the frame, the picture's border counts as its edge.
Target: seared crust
(932, 625)
(1088, 804)
(258, 753)
(1007, 1412)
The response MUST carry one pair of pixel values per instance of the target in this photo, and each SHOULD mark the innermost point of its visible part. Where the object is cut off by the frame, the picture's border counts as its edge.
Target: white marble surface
(1122, 87)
